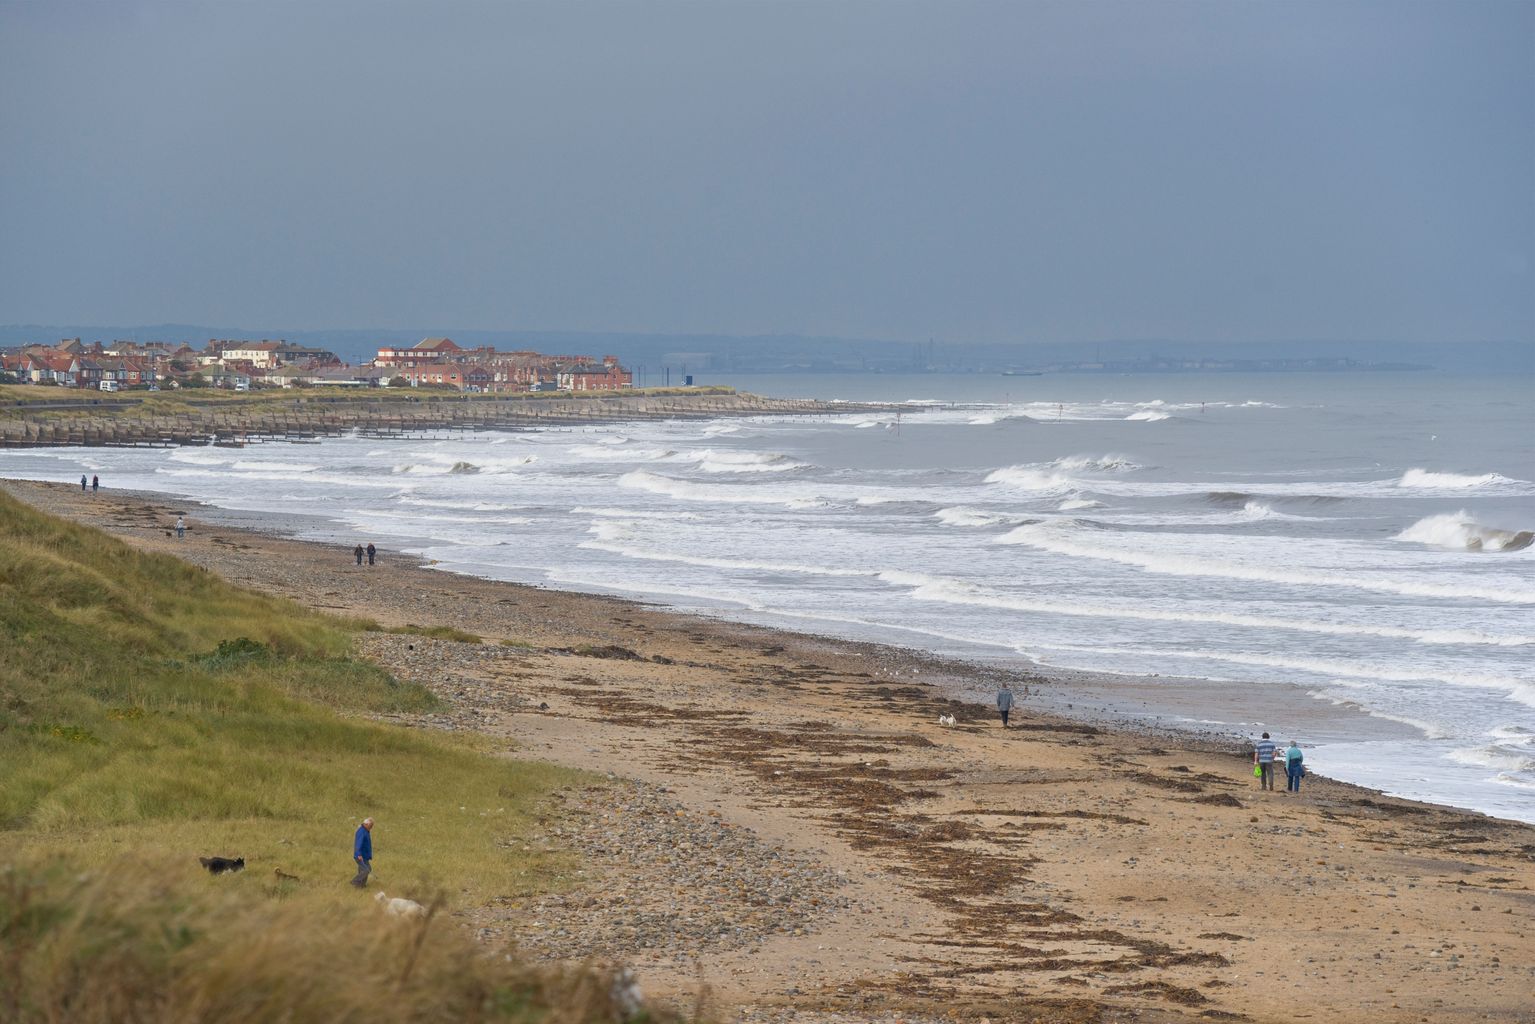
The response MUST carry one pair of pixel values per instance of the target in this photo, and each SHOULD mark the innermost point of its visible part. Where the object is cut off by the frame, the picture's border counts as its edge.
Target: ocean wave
(428, 520)
(1067, 537)
(1097, 463)
(1150, 415)
(1458, 481)
(1030, 478)
(961, 515)
(711, 461)
(1496, 758)
(1429, 730)
(1458, 531)
(688, 490)
(280, 467)
(630, 513)
(470, 504)
(609, 451)
(954, 591)
(1076, 504)
(201, 456)
(621, 539)
(1354, 668)
(448, 466)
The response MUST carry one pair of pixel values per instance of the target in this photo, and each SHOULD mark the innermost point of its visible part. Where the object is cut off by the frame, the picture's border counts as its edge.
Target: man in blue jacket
(362, 852)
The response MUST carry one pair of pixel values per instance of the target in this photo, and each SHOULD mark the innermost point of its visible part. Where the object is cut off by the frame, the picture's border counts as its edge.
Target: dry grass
(151, 713)
(122, 945)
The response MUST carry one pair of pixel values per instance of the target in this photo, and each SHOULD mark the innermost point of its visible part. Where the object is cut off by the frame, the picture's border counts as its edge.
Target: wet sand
(1058, 870)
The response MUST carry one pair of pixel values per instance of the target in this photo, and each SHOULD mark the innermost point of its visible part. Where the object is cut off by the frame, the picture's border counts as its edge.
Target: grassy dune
(151, 713)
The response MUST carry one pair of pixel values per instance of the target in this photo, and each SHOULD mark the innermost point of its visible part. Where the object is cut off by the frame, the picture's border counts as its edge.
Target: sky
(979, 171)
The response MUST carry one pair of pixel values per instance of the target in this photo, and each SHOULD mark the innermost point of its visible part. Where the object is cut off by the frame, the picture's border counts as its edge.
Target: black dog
(219, 865)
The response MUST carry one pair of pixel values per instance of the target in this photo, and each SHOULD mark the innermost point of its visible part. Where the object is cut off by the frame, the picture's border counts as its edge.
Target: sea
(1343, 559)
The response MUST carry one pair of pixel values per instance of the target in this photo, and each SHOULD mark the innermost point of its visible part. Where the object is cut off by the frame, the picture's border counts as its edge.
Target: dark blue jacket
(362, 845)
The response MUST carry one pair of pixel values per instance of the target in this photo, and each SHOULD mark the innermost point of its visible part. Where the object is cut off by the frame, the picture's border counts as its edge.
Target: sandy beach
(790, 834)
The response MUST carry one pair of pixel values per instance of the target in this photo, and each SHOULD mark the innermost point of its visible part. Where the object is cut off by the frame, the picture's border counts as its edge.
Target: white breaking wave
(428, 520)
(474, 506)
(953, 591)
(619, 539)
(1030, 478)
(629, 513)
(687, 490)
(1458, 531)
(1074, 504)
(1494, 758)
(962, 516)
(1066, 538)
(1458, 481)
(1514, 689)
(1149, 415)
(280, 467)
(1098, 463)
(711, 461)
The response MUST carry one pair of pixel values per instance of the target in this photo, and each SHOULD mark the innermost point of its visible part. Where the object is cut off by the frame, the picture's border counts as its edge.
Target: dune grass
(127, 947)
(151, 713)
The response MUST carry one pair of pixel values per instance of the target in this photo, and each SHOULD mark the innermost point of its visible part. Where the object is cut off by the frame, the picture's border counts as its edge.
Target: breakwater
(229, 420)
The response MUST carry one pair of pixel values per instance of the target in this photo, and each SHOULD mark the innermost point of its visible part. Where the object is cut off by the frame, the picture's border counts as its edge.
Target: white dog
(397, 907)
(945, 719)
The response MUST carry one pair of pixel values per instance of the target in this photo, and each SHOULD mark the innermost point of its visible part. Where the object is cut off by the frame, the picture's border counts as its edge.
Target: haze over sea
(1348, 547)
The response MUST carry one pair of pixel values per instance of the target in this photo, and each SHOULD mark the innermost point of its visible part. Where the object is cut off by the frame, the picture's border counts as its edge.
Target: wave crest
(1428, 478)
(1457, 531)
(1097, 463)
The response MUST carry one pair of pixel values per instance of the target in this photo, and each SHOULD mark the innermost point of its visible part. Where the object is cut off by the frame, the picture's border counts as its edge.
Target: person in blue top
(1263, 757)
(362, 852)
(1292, 767)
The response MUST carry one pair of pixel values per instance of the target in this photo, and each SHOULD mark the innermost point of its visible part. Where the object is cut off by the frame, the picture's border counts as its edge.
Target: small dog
(283, 876)
(219, 865)
(397, 907)
(945, 719)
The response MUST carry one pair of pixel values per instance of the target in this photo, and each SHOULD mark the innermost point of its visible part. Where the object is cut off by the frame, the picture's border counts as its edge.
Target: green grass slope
(151, 712)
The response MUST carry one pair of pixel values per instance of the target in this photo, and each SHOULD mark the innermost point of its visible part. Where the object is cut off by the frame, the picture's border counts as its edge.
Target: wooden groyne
(233, 422)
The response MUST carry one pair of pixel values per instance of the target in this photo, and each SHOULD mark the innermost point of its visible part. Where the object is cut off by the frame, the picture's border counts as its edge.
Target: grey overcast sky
(1030, 171)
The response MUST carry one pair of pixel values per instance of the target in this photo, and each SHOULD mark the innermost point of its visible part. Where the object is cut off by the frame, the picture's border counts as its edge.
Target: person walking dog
(362, 852)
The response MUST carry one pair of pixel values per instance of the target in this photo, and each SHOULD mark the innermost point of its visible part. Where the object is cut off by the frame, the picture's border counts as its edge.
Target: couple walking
(359, 551)
(1267, 758)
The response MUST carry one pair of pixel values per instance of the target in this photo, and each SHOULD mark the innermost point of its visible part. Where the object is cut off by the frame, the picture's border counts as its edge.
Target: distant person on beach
(83, 483)
(1293, 767)
(372, 551)
(1263, 757)
(1004, 703)
(181, 528)
(362, 852)
(357, 553)
(95, 483)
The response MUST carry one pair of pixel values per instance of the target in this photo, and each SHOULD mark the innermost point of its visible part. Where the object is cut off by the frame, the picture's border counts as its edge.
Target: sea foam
(1458, 531)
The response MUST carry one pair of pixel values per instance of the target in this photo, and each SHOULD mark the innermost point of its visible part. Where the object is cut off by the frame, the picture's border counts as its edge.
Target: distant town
(246, 365)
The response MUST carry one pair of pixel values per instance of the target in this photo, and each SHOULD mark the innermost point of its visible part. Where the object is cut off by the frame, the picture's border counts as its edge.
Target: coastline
(1146, 703)
(1073, 871)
